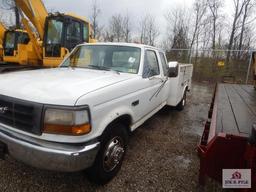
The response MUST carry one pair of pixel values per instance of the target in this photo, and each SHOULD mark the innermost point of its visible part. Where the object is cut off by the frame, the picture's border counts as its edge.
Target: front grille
(22, 115)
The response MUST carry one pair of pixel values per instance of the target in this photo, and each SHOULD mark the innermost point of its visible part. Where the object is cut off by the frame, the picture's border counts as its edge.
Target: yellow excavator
(2, 31)
(57, 35)
(59, 32)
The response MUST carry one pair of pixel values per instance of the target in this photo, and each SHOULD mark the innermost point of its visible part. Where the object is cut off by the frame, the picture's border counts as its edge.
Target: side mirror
(173, 69)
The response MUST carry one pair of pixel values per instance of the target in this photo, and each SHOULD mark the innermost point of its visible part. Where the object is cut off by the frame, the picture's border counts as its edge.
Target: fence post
(249, 67)
(190, 57)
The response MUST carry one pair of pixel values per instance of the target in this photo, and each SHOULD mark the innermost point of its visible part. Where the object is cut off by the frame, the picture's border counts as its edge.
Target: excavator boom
(36, 13)
(2, 31)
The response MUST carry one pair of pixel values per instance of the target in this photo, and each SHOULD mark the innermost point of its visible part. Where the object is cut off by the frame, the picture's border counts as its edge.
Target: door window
(151, 67)
(74, 35)
(164, 64)
(86, 32)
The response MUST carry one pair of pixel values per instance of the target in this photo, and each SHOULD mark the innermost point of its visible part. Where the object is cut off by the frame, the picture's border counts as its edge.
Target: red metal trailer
(229, 137)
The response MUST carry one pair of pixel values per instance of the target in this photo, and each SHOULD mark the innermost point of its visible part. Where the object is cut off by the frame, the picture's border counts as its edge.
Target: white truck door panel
(153, 79)
(165, 87)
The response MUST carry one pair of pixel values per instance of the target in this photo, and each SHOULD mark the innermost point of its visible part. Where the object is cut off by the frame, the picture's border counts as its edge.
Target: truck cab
(79, 116)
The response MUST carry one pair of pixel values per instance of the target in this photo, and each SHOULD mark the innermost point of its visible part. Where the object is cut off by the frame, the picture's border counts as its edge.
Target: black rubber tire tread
(180, 106)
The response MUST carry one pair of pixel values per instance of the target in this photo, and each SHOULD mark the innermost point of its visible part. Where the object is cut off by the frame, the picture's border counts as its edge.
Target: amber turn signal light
(75, 130)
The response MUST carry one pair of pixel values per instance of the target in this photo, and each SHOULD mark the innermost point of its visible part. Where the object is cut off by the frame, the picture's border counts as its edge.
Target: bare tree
(143, 29)
(177, 33)
(107, 36)
(96, 11)
(214, 7)
(200, 8)
(205, 40)
(152, 30)
(127, 27)
(177, 23)
(148, 30)
(116, 27)
(239, 7)
(248, 9)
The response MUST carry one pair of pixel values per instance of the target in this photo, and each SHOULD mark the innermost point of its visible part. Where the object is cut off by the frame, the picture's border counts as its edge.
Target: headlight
(67, 121)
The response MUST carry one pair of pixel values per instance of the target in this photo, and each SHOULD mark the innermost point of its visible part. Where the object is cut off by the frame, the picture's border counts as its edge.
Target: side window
(74, 34)
(164, 64)
(23, 38)
(86, 32)
(74, 31)
(151, 67)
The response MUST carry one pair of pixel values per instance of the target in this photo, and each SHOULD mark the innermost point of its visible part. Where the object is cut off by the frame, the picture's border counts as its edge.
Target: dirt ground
(161, 157)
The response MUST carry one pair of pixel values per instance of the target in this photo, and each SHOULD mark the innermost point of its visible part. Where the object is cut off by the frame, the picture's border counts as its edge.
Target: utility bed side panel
(179, 83)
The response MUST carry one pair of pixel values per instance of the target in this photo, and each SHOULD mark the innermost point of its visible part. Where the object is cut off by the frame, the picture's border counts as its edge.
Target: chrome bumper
(49, 155)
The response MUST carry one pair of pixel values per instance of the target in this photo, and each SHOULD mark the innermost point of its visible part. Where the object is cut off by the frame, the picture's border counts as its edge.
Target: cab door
(153, 80)
(165, 90)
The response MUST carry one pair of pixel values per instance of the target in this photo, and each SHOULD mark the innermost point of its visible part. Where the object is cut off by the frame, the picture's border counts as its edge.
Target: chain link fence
(234, 66)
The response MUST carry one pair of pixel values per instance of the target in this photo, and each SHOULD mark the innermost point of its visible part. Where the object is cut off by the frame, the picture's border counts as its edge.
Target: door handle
(134, 103)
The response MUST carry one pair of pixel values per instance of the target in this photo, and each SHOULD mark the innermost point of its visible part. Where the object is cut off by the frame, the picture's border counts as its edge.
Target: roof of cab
(124, 44)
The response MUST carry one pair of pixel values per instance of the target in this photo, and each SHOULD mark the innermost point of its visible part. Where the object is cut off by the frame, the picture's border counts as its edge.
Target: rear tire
(183, 102)
(110, 156)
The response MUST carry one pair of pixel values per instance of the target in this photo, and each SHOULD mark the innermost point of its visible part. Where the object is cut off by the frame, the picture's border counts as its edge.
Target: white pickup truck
(80, 114)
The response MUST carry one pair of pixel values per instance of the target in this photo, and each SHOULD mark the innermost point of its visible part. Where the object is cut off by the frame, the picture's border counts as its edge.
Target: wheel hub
(113, 154)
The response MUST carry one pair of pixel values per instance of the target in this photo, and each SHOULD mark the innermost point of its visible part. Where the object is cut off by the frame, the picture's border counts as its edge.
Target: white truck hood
(60, 86)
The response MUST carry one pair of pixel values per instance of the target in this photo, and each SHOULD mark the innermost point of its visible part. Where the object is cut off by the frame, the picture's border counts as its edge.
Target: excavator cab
(11, 40)
(62, 33)
(18, 48)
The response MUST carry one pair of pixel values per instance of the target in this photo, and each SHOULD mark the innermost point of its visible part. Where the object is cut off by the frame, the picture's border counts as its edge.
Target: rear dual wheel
(183, 102)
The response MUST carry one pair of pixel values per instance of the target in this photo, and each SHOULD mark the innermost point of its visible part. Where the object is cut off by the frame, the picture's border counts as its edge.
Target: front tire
(110, 156)
(183, 102)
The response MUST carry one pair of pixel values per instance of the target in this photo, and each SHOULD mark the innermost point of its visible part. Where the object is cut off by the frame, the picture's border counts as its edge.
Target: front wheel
(110, 156)
(183, 102)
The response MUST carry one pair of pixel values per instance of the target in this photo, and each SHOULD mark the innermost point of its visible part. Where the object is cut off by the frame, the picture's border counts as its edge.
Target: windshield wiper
(95, 67)
(99, 67)
(102, 68)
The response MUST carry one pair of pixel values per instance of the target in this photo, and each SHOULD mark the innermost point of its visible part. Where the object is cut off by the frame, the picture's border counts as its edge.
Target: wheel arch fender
(120, 115)
(185, 89)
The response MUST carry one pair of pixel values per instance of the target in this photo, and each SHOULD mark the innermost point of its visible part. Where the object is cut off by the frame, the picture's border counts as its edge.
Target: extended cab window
(164, 63)
(151, 67)
(105, 57)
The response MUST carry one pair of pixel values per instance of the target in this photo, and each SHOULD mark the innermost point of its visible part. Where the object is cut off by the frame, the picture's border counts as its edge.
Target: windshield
(105, 57)
(54, 32)
(10, 40)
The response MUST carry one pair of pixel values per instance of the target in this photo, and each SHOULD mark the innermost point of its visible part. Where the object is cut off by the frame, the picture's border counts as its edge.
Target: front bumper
(49, 155)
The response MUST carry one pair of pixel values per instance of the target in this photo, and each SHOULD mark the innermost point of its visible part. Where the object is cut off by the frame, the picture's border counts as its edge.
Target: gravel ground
(161, 157)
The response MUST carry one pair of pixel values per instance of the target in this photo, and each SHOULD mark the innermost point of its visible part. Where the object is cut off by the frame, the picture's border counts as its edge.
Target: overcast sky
(135, 8)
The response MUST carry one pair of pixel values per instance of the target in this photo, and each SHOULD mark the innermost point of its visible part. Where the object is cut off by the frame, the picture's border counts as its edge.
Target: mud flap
(3, 150)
